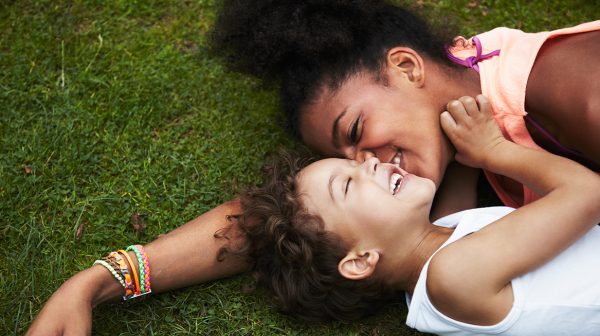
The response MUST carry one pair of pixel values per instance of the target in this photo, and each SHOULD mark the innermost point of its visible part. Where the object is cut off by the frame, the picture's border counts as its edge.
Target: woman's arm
(563, 91)
(180, 258)
(473, 291)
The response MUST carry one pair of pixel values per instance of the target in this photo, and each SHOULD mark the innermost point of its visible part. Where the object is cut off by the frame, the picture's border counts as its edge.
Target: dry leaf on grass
(138, 222)
(80, 230)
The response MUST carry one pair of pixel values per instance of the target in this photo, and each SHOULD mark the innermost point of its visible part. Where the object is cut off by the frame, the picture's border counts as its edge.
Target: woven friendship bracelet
(112, 262)
(136, 279)
(121, 266)
(140, 267)
(129, 286)
(146, 268)
(111, 270)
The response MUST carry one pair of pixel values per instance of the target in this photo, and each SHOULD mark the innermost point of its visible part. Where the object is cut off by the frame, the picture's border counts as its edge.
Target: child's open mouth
(395, 182)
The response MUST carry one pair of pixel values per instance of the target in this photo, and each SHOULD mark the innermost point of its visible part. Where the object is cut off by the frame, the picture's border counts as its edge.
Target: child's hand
(472, 130)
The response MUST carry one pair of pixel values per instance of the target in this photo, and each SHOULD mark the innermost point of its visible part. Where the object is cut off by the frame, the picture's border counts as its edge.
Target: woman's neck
(449, 82)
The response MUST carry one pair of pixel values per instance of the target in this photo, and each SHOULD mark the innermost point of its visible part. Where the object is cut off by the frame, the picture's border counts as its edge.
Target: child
(339, 238)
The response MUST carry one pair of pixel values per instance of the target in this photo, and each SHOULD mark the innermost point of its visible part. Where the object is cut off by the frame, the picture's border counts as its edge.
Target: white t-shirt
(562, 297)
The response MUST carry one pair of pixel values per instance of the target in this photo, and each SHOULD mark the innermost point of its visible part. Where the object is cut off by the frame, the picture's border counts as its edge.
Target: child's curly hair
(294, 257)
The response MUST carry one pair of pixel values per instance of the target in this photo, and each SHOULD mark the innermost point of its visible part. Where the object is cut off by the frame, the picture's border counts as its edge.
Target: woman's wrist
(98, 285)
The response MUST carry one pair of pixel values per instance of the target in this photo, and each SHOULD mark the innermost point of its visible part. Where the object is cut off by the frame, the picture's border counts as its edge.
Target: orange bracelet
(133, 270)
(125, 272)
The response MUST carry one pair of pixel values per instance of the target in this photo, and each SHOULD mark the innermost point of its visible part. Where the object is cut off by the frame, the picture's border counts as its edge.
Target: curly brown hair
(294, 257)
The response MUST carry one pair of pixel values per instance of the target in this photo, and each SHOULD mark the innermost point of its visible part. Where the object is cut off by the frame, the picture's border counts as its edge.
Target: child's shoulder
(456, 286)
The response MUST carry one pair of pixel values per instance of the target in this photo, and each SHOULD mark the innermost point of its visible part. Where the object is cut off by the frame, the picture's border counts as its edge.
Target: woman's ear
(358, 266)
(407, 62)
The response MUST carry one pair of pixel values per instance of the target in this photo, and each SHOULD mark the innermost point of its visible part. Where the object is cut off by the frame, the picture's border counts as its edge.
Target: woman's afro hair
(302, 44)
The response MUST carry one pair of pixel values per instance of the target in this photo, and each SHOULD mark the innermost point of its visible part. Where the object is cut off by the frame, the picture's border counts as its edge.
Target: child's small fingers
(469, 104)
(447, 121)
(457, 110)
(484, 105)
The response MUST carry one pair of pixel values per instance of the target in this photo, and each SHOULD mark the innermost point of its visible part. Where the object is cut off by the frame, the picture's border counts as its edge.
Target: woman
(352, 88)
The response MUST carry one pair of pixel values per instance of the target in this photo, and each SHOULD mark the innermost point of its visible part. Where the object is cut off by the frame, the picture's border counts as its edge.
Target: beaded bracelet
(136, 280)
(144, 267)
(111, 269)
(129, 286)
(120, 265)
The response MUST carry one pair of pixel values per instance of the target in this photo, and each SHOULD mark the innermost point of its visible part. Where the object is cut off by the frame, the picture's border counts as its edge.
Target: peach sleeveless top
(504, 58)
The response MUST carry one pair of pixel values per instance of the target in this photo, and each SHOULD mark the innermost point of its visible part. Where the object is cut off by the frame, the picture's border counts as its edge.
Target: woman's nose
(364, 155)
(385, 154)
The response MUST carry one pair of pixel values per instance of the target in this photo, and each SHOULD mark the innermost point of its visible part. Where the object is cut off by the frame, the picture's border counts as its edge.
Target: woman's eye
(347, 186)
(354, 132)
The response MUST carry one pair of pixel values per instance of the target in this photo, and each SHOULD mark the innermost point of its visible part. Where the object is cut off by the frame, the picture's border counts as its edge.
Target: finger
(470, 105)
(484, 105)
(448, 123)
(457, 110)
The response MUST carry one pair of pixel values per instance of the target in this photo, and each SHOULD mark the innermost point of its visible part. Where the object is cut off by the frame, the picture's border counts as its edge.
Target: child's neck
(404, 276)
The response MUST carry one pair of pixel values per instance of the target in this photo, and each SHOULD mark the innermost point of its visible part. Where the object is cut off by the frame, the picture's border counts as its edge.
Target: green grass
(110, 108)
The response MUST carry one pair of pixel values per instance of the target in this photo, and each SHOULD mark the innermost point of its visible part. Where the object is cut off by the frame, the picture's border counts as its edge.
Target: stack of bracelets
(135, 282)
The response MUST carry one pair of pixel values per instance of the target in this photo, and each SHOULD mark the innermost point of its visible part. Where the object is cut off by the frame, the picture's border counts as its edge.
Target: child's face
(364, 203)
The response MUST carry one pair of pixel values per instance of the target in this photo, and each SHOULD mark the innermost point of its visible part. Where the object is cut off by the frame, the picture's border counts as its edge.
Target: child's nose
(371, 164)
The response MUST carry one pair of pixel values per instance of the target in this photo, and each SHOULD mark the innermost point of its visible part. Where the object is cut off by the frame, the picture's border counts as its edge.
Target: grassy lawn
(113, 108)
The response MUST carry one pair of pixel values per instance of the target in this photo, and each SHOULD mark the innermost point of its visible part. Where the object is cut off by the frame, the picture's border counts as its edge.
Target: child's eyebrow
(330, 187)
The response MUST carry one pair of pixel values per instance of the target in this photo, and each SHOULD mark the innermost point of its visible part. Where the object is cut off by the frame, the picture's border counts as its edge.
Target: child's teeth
(394, 182)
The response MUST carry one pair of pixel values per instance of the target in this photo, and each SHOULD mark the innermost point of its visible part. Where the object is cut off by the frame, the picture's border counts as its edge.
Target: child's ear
(357, 266)
(407, 62)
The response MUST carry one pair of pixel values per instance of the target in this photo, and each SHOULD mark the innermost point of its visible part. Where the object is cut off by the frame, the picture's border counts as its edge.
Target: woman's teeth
(397, 159)
(395, 183)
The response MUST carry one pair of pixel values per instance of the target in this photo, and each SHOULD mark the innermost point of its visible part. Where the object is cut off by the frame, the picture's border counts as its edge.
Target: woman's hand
(469, 124)
(69, 309)
(67, 312)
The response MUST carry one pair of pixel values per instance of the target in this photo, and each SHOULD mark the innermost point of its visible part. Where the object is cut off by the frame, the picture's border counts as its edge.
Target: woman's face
(394, 121)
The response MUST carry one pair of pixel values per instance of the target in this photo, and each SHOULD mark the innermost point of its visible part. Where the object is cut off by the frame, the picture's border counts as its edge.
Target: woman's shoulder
(562, 91)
